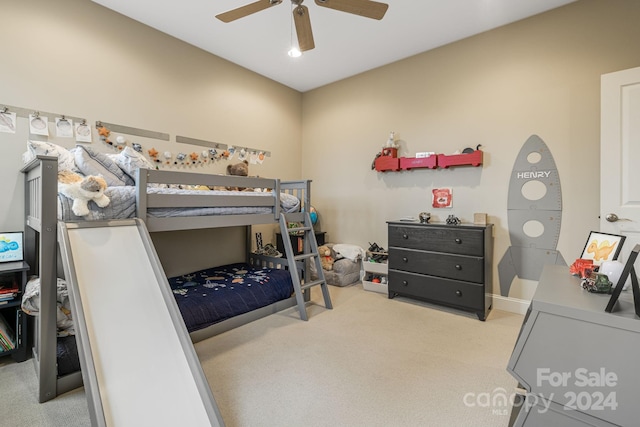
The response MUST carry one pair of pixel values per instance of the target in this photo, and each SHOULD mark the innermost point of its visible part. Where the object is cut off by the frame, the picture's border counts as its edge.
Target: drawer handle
(405, 283)
(404, 236)
(459, 293)
(458, 241)
(458, 267)
(405, 259)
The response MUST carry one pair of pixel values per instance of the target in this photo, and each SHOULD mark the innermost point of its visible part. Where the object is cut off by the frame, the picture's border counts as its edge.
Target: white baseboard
(513, 305)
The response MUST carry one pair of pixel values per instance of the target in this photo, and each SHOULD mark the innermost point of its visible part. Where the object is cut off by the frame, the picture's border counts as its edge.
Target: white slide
(138, 363)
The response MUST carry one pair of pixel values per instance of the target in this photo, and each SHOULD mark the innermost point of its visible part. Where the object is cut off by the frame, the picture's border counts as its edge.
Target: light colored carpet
(370, 361)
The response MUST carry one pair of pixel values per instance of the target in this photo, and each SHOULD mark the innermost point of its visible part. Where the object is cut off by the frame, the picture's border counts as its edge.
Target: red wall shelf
(473, 159)
(389, 162)
(408, 163)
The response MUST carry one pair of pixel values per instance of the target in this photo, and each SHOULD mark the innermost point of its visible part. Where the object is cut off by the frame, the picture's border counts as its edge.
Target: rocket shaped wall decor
(528, 254)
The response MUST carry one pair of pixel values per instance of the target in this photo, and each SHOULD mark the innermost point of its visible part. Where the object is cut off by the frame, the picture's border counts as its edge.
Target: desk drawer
(468, 268)
(437, 289)
(454, 240)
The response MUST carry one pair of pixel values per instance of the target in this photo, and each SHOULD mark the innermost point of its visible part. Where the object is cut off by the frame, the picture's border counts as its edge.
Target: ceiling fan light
(294, 52)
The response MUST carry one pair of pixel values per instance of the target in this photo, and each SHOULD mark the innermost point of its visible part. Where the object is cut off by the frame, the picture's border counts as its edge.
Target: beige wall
(537, 76)
(80, 59)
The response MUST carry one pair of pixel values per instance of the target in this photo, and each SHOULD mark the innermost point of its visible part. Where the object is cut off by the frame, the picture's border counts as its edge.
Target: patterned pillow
(66, 160)
(129, 160)
(92, 162)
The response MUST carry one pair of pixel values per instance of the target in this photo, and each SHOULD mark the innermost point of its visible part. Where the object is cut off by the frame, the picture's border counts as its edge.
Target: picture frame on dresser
(628, 270)
(602, 247)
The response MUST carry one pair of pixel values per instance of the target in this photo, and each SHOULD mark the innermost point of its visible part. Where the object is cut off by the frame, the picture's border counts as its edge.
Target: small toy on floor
(326, 259)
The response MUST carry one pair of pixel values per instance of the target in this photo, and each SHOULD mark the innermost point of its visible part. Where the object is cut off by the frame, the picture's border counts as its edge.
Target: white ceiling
(345, 44)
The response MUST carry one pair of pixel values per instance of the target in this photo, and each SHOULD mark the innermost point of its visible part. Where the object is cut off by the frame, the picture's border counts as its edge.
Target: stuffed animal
(82, 189)
(239, 169)
(325, 257)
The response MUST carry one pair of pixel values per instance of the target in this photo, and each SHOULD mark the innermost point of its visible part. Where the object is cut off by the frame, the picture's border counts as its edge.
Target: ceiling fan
(367, 8)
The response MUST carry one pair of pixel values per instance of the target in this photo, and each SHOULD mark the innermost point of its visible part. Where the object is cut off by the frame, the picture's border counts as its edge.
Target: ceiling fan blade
(303, 28)
(246, 10)
(367, 8)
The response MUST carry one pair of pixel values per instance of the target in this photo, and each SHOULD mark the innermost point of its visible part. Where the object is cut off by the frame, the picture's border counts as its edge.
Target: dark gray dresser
(577, 363)
(444, 264)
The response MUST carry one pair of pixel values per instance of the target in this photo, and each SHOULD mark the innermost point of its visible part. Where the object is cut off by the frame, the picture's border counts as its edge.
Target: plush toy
(239, 169)
(82, 189)
(325, 257)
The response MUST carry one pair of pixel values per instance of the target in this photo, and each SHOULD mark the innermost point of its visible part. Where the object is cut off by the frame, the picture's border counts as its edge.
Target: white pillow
(66, 160)
(92, 162)
(129, 160)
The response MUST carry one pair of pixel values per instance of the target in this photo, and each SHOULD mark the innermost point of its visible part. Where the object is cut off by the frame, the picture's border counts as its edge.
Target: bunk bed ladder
(308, 255)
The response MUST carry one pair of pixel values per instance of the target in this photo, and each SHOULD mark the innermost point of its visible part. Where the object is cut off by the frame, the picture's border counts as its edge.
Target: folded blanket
(31, 304)
(352, 252)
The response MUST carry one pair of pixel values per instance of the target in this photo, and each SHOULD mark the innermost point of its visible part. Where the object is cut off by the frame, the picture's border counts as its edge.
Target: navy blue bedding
(210, 296)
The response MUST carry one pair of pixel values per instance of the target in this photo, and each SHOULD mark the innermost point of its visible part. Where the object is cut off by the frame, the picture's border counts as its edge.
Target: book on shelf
(8, 292)
(4, 298)
(7, 337)
(5, 345)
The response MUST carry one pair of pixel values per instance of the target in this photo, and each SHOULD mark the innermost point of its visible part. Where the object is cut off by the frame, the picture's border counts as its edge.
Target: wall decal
(534, 214)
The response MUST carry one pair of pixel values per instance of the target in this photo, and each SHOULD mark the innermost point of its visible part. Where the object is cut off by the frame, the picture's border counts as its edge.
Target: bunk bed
(161, 210)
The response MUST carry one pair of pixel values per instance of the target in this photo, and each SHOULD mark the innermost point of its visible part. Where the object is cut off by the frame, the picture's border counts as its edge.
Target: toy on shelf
(387, 160)
(473, 158)
(453, 220)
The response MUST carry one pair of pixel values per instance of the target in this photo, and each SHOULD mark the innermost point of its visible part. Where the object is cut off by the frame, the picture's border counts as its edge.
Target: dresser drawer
(437, 289)
(459, 267)
(451, 239)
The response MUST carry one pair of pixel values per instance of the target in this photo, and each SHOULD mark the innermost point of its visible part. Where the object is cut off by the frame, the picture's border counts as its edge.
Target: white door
(620, 157)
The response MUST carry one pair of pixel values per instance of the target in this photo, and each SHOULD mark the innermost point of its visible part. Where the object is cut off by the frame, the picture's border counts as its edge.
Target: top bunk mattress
(123, 204)
(122, 171)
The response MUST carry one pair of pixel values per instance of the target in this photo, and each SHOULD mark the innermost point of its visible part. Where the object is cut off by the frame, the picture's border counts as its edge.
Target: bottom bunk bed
(212, 296)
(211, 301)
(55, 358)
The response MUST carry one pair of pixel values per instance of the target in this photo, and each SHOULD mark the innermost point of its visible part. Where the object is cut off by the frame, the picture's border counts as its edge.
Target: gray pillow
(129, 160)
(92, 162)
